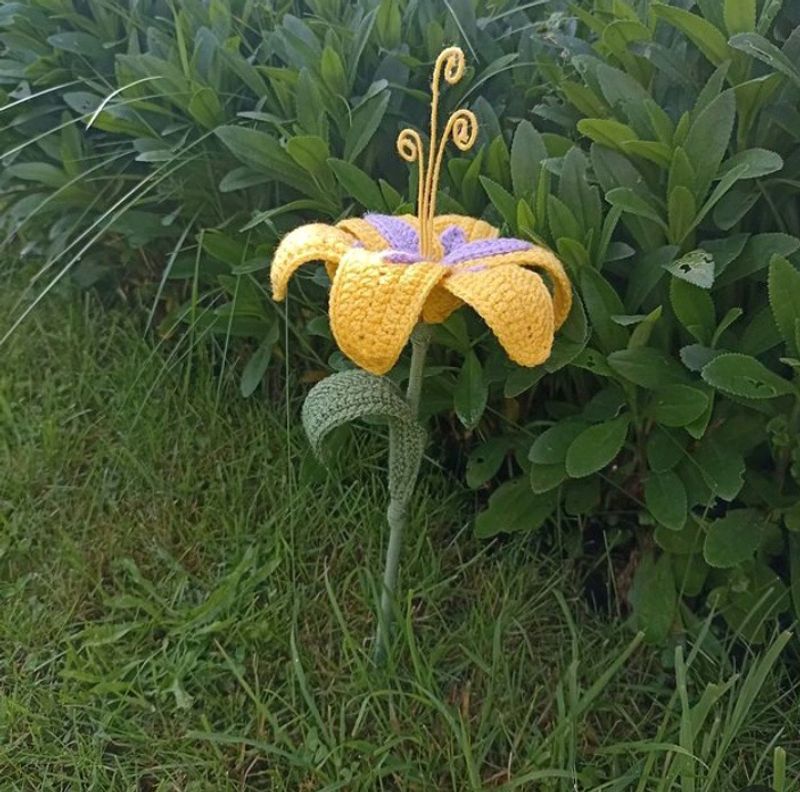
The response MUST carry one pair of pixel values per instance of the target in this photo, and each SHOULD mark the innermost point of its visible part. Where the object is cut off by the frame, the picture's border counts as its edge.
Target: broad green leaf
(264, 153)
(757, 254)
(550, 447)
(694, 309)
(758, 162)
(722, 468)
(707, 140)
(665, 498)
(702, 33)
(784, 300)
(733, 538)
(357, 184)
(527, 153)
(687, 541)
(205, 108)
(547, 477)
(757, 46)
(513, 507)
(471, 392)
(485, 459)
(630, 201)
(258, 363)
(654, 598)
(647, 367)
(739, 16)
(602, 302)
(606, 131)
(502, 199)
(696, 267)
(596, 447)
(745, 376)
(681, 212)
(665, 449)
(678, 405)
(365, 122)
(310, 153)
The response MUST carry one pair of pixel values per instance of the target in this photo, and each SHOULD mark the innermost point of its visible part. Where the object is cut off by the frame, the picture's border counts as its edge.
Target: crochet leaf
(350, 395)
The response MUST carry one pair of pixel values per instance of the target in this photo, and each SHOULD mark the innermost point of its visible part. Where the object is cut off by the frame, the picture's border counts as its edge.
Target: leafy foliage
(653, 146)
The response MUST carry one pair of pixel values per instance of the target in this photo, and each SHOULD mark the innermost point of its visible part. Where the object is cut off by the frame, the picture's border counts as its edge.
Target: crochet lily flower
(383, 284)
(389, 272)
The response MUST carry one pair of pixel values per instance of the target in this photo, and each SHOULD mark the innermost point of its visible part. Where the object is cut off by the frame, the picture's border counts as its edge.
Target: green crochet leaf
(350, 395)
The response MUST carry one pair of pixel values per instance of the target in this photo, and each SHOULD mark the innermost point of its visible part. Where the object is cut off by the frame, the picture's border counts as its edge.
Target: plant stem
(397, 513)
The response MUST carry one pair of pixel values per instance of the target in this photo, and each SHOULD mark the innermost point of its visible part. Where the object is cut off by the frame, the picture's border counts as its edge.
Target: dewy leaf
(513, 506)
(696, 267)
(350, 395)
(733, 538)
(744, 376)
(471, 393)
(596, 447)
(784, 299)
(665, 498)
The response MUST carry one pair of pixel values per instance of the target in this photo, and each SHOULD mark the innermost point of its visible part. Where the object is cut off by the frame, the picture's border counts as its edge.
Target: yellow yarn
(375, 303)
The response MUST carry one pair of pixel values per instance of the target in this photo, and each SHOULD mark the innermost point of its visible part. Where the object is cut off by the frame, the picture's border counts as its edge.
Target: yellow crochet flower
(389, 273)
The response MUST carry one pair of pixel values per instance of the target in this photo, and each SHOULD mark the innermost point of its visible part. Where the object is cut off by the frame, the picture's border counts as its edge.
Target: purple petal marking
(485, 247)
(452, 237)
(398, 233)
(401, 257)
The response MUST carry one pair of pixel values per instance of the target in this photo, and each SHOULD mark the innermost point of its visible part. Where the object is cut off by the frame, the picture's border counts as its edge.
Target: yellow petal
(538, 257)
(473, 228)
(516, 305)
(314, 242)
(364, 232)
(439, 305)
(375, 304)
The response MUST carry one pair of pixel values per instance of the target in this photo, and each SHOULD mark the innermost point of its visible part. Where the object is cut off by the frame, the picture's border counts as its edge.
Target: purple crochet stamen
(398, 233)
(485, 247)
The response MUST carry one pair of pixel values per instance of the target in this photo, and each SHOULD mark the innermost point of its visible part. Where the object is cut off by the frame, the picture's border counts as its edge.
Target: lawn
(188, 600)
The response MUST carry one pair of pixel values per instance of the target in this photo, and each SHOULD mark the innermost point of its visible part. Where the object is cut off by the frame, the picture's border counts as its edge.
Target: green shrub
(653, 145)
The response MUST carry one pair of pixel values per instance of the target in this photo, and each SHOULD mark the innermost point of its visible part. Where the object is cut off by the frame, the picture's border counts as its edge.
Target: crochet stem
(397, 513)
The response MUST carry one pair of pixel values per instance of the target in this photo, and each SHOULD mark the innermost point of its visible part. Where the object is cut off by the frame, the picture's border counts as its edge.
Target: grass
(187, 604)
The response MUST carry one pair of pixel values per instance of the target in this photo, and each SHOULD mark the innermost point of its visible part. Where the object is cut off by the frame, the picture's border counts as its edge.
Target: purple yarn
(451, 238)
(398, 233)
(401, 257)
(485, 247)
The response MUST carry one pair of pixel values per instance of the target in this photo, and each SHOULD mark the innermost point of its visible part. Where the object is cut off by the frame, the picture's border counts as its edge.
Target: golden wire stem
(462, 126)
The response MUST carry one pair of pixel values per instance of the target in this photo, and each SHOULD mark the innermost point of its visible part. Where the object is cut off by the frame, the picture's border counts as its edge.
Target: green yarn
(350, 395)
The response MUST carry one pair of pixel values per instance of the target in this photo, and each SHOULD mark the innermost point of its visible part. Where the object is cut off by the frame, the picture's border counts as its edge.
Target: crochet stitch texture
(388, 273)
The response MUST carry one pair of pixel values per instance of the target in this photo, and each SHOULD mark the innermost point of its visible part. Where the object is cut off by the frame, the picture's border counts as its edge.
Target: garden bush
(164, 149)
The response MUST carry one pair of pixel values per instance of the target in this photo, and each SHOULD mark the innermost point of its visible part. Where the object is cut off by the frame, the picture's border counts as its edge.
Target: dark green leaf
(733, 538)
(742, 375)
(469, 398)
(513, 506)
(596, 447)
(665, 498)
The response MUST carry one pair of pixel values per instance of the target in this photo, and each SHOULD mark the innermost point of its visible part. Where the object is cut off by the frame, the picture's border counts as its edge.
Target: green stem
(397, 513)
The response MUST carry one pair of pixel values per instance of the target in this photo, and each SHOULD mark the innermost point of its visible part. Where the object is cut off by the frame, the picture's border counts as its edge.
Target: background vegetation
(159, 151)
